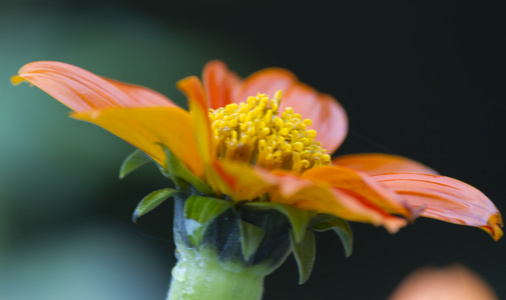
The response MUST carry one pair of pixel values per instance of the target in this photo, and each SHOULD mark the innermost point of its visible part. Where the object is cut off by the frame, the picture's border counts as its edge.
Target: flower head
(267, 138)
(255, 132)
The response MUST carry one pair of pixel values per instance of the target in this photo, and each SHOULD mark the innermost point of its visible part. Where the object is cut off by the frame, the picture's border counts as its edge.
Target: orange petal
(306, 194)
(358, 209)
(328, 116)
(219, 83)
(216, 177)
(377, 163)
(266, 81)
(194, 92)
(83, 91)
(446, 199)
(147, 127)
(359, 184)
(249, 183)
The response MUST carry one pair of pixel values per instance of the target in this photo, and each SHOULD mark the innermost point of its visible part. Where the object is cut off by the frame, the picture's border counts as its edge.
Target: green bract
(151, 201)
(199, 212)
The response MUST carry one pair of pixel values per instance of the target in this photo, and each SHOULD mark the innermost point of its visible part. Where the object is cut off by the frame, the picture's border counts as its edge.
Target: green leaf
(151, 201)
(304, 252)
(251, 237)
(199, 211)
(132, 162)
(299, 219)
(342, 229)
(174, 169)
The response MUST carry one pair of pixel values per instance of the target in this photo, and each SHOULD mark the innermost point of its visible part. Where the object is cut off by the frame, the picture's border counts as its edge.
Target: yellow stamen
(256, 133)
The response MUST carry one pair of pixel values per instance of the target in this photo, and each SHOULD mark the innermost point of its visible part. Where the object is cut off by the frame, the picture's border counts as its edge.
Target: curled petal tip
(17, 79)
(495, 223)
(185, 82)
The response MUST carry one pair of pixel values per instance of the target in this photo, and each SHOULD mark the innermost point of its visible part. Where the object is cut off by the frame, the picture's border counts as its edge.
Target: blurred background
(422, 79)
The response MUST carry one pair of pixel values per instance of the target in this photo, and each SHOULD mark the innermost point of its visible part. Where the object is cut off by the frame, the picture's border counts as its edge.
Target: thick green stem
(199, 275)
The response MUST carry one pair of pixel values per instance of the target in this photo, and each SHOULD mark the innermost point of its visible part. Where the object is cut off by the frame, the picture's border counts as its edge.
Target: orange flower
(266, 137)
(454, 282)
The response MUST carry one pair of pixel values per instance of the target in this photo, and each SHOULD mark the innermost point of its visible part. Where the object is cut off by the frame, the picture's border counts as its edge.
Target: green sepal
(251, 237)
(151, 201)
(304, 253)
(175, 171)
(321, 218)
(342, 228)
(299, 219)
(199, 211)
(133, 161)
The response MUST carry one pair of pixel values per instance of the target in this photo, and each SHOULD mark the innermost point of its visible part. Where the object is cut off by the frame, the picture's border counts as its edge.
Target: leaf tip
(152, 201)
(135, 216)
(134, 161)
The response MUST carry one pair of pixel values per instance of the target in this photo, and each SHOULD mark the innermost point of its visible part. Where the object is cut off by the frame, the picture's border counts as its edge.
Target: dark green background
(423, 79)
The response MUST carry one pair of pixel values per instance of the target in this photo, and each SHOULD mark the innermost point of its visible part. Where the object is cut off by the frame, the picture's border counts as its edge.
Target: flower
(454, 282)
(266, 138)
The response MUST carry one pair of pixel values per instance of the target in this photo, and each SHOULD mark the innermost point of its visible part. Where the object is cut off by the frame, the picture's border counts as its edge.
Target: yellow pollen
(255, 132)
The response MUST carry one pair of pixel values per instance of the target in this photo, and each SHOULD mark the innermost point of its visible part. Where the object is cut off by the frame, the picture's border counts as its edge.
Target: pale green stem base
(199, 276)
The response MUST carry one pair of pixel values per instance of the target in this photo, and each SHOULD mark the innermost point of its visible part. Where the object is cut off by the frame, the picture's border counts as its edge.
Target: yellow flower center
(256, 133)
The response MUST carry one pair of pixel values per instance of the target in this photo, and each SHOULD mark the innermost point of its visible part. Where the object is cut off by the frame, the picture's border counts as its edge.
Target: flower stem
(199, 275)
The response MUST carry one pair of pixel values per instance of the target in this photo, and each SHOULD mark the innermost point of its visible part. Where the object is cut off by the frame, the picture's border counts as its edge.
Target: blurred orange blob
(455, 282)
